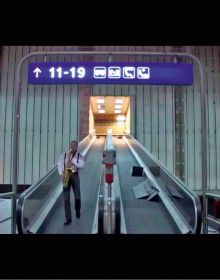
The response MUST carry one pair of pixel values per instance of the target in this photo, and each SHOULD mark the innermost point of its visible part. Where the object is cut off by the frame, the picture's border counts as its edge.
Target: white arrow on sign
(37, 71)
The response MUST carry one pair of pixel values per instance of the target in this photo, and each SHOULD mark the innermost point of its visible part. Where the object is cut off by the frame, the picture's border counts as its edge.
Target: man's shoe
(77, 214)
(67, 222)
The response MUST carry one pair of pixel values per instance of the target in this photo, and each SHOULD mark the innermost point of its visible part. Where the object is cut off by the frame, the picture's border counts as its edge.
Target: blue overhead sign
(110, 73)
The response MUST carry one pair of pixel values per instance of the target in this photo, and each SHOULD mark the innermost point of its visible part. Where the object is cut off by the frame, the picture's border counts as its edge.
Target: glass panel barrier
(33, 200)
(186, 200)
(5, 214)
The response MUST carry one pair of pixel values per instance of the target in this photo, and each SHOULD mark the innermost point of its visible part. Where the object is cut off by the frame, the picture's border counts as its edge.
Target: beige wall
(128, 120)
(91, 120)
(116, 129)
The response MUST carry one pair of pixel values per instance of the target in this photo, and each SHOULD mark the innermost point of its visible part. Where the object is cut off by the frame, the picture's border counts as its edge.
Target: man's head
(74, 146)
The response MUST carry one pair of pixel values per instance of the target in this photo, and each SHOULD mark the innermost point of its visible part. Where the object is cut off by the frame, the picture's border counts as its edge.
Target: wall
(50, 115)
(210, 57)
(128, 120)
(91, 119)
(102, 128)
(83, 107)
(48, 119)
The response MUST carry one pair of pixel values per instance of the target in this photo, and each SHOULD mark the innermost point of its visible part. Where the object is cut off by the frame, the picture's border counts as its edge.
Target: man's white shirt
(78, 160)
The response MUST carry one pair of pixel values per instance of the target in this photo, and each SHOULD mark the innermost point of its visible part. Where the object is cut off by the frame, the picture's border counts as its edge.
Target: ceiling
(109, 105)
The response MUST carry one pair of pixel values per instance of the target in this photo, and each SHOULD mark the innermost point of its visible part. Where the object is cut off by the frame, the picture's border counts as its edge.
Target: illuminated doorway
(109, 114)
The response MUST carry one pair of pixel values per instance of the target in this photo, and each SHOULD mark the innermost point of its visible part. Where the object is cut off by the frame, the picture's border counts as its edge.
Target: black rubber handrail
(101, 215)
(117, 216)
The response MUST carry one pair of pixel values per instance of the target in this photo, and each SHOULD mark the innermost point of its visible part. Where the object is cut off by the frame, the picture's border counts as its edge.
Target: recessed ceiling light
(120, 118)
(101, 111)
(118, 106)
(117, 111)
(100, 101)
(118, 101)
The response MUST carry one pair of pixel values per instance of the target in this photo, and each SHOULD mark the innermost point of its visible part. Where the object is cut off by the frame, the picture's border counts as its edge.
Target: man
(76, 160)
